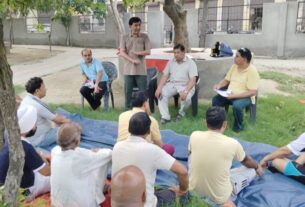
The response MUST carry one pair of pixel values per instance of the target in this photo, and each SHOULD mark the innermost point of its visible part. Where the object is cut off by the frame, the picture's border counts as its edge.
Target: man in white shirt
(148, 158)
(78, 174)
(36, 171)
(128, 188)
(179, 77)
(45, 134)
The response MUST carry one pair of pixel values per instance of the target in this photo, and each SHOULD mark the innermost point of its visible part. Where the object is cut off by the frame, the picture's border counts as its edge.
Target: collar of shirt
(184, 59)
(244, 70)
(34, 97)
(136, 139)
(24, 139)
(131, 35)
(137, 109)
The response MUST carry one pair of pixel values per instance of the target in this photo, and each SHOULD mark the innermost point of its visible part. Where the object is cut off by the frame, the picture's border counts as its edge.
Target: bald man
(77, 174)
(94, 79)
(128, 188)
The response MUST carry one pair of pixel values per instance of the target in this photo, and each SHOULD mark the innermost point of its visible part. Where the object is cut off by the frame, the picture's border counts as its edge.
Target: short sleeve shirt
(211, 158)
(124, 124)
(297, 146)
(44, 117)
(146, 156)
(91, 71)
(33, 163)
(182, 72)
(243, 81)
(131, 43)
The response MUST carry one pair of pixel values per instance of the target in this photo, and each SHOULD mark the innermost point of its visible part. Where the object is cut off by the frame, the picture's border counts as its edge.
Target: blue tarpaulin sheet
(272, 189)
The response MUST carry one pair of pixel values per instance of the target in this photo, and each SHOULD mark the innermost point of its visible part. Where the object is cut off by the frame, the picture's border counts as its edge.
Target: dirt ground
(63, 86)
(29, 55)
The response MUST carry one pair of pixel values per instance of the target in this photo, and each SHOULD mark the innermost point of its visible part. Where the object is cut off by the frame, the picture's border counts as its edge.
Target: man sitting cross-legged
(292, 168)
(46, 133)
(211, 157)
(128, 188)
(94, 79)
(78, 174)
(36, 171)
(179, 76)
(140, 104)
(148, 158)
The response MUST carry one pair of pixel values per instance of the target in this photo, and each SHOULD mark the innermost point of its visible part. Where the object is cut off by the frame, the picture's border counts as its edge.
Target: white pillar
(279, 1)
(219, 15)
(246, 15)
(197, 4)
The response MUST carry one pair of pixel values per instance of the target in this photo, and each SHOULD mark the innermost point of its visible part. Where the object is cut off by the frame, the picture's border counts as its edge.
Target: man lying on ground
(135, 150)
(77, 174)
(128, 188)
(45, 134)
(211, 157)
(36, 170)
(292, 168)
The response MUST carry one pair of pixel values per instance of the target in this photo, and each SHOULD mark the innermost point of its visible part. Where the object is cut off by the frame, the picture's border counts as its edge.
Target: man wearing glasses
(94, 79)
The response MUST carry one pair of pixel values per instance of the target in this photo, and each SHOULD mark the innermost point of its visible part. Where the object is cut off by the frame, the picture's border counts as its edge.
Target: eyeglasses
(87, 55)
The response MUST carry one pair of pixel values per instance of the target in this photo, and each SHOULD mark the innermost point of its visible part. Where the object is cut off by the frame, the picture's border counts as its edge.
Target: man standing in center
(133, 48)
(179, 76)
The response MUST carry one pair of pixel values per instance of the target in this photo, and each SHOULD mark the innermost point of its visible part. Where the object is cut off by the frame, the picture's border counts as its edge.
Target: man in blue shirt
(36, 170)
(94, 79)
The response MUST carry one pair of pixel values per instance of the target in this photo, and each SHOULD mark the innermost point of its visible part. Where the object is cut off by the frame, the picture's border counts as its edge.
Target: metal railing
(231, 19)
(89, 24)
(300, 26)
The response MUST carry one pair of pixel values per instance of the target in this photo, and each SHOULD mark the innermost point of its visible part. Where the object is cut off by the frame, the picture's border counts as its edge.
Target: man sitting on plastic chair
(179, 76)
(94, 79)
(242, 81)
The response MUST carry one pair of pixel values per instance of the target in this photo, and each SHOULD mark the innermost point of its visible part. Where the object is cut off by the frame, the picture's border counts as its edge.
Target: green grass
(18, 89)
(290, 84)
(279, 119)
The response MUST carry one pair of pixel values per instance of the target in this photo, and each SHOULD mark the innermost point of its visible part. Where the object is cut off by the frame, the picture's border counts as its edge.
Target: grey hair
(67, 135)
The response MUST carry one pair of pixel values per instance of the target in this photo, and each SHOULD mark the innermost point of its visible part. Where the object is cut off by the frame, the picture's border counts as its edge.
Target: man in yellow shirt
(140, 104)
(211, 157)
(242, 81)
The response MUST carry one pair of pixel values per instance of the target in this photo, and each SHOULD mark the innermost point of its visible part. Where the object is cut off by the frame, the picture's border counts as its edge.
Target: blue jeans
(238, 106)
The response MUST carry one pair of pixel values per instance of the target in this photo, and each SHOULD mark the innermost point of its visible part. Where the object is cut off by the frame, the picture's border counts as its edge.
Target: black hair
(138, 99)
(33, 84)
(215, 116)
(179, 46)
(139, 124)
(134, 20)
(245, 53)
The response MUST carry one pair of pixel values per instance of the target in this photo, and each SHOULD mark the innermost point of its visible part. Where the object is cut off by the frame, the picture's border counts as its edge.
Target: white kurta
(77, 177)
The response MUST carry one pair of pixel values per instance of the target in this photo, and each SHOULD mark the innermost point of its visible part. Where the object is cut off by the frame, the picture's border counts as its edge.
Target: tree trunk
(11, 31)
(68, 36)
(177, 14)
(8, 113)
(1, 131)
(50, 41)
(118, 21)
(204, 24)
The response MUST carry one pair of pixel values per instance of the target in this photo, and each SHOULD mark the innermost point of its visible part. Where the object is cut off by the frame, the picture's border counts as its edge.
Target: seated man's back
(212, 156)
(77, 174)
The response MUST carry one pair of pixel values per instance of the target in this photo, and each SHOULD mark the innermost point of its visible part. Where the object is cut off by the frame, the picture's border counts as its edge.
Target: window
(38, 24)
(301, 17)
(89, 24)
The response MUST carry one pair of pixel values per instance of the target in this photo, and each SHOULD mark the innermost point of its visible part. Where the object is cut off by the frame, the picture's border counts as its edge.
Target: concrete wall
(278, 37)
(109, 38)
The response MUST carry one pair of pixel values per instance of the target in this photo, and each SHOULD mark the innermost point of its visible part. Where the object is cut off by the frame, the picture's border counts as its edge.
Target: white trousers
(241, 177)
(41, 186)
(169, 90)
